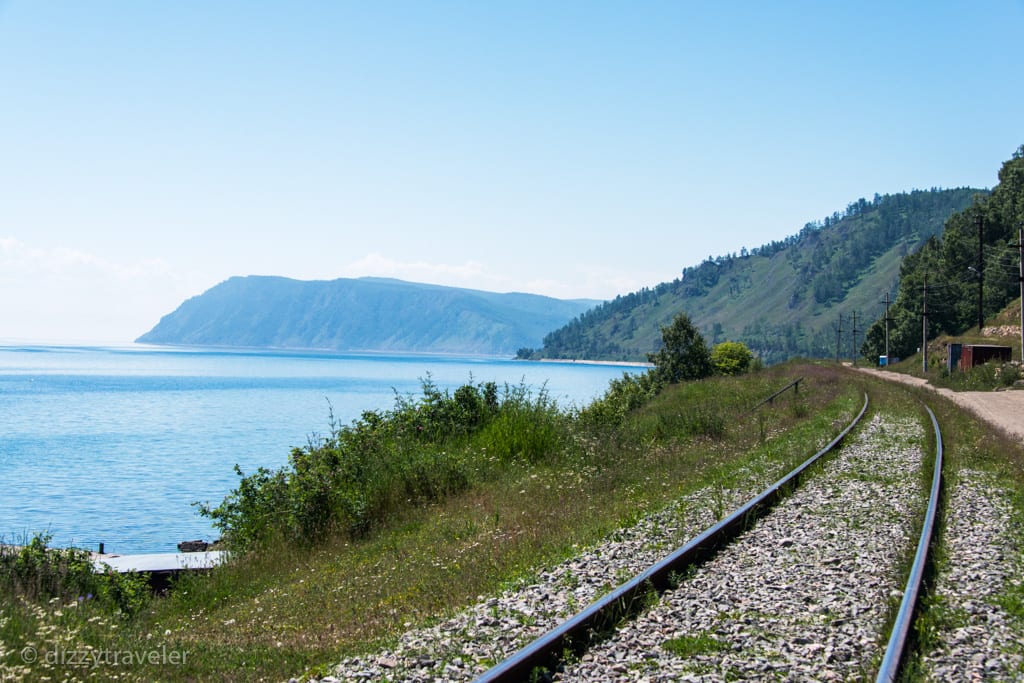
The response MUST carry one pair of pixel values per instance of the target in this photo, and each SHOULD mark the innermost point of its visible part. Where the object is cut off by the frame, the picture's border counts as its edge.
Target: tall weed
(421, 451)
(37, 573)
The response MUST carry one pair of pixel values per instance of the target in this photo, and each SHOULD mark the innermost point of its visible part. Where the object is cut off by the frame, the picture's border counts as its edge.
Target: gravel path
(1001, 409)
(802, 595)
(978, 640)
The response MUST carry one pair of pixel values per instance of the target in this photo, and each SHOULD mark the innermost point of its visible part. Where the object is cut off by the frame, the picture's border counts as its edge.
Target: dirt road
(1002, 409)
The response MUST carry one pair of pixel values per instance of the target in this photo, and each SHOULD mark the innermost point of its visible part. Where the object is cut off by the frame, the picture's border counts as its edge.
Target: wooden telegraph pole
(839, 336)
(1020, 249)
(886, 319)
(979, 221)
(853, 349)
(924, 324)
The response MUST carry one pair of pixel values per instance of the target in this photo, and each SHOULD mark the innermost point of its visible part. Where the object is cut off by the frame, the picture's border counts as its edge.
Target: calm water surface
(114, 444)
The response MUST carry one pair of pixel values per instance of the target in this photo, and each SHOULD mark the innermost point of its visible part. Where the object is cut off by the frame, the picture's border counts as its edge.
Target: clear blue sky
(149, 150)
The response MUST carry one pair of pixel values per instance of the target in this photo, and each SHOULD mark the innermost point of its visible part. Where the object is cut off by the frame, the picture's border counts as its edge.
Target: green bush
(38, 573)
(524, 432)
(605, 415)
(421, 451)
(731, 358)
(981, 378)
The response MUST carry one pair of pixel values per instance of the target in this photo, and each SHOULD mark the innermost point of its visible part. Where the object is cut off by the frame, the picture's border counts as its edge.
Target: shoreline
(576, 361)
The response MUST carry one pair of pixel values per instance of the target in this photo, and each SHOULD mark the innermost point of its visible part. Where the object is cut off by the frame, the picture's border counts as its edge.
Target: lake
(114, 444)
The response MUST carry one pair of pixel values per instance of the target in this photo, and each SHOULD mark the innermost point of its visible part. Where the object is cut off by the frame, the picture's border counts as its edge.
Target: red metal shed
(973, 355)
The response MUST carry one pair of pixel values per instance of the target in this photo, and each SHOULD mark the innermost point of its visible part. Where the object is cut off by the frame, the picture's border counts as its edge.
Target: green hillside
(947, 267)
(364, 314)
(782, 299)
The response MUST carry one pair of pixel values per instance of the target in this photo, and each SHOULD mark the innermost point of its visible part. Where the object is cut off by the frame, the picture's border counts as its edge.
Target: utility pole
(924, 324)
(839, 336)
(886, 319)
(853, 350)
(1020, 248)
(979, 221)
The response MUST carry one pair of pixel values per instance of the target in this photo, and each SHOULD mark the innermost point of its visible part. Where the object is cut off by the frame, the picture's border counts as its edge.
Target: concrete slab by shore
(159, 562)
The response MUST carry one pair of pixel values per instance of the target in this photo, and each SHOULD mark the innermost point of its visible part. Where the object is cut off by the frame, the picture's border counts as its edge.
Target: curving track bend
(801, 596)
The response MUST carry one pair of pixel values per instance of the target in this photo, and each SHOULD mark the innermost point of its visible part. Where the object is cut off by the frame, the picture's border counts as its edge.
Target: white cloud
(588, 281)
(15, 255)
(65, 293)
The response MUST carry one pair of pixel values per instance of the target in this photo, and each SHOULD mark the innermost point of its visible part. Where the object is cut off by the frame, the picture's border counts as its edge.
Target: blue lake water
(114, 444)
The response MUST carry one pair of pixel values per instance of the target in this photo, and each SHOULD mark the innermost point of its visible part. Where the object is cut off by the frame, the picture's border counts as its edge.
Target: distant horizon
(108, 342)
(142, 347)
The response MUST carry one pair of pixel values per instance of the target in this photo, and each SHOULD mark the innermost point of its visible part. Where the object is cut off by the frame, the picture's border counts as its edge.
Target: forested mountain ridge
(782, 299)
(980, 240)
(363, 314)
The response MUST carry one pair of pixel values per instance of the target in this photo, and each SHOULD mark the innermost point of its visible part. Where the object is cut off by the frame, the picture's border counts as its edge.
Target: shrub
(414, 454)
(981, 378)
(524, 430)
(731, 358)
(37, 573)
(606, 414)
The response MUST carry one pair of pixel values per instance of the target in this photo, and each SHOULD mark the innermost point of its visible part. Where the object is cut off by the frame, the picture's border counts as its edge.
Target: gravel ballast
(802, 595)
(977, 639)
(467, 644)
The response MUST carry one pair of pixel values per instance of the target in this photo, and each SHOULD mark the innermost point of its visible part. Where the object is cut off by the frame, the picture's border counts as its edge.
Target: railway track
(771, 591)
(809, 617)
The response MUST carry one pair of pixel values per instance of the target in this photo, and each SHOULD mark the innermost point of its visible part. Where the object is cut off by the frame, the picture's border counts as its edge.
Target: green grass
(693, 645)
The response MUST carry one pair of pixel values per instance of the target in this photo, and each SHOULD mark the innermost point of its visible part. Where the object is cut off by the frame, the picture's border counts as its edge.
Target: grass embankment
(402, 550)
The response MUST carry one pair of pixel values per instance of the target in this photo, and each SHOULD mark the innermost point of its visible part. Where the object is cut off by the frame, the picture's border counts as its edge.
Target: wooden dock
(158, 562)
(159, 568)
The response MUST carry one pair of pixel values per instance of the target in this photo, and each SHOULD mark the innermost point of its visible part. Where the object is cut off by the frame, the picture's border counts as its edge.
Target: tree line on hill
(778, 299)
(939, 283)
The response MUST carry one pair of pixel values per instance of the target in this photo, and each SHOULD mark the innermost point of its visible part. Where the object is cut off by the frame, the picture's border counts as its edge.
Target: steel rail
(795, 383)
(548, 650)
(895, 651)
